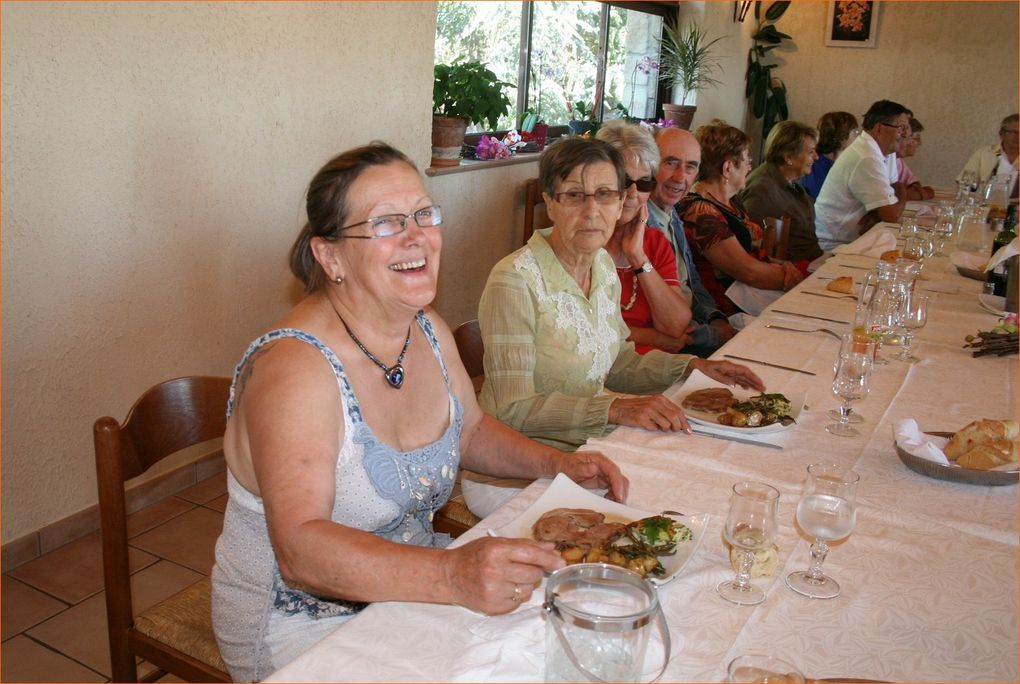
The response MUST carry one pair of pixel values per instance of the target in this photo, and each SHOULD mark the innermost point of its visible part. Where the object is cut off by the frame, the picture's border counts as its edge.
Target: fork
(821, 330)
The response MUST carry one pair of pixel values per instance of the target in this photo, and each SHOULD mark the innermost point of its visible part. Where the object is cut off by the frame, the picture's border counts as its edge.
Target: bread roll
(844, 284)
(986, 456)
(891, 255)
(979, 432)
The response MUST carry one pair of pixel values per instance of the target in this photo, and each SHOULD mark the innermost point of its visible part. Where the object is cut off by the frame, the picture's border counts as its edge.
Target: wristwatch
(643, 268)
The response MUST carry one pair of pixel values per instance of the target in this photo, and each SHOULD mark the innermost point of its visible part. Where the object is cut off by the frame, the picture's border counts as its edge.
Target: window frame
(667, 9)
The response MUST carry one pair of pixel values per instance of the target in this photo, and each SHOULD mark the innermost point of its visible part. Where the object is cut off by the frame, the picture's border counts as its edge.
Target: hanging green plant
(767, 93)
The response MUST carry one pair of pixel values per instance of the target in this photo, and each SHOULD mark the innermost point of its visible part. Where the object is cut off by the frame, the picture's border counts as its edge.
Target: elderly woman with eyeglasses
(726, 242)
(551, 320)
(348, 422)
(653, 308)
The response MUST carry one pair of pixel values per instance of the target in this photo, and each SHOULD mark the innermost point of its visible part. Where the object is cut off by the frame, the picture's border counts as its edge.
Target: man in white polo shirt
(857, 193)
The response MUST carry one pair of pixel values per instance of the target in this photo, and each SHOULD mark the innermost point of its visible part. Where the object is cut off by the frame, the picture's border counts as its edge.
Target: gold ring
(517, 594)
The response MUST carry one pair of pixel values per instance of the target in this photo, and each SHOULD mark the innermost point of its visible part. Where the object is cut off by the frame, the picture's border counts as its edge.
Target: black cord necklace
(394, 374)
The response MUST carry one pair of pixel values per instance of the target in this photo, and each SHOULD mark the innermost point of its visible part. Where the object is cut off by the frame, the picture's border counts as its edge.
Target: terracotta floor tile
(23, 607)
(74, 571)
(188, 539)
(219, 503)
(80, 631)
(26, 661)
(206, 490)
(155, 515)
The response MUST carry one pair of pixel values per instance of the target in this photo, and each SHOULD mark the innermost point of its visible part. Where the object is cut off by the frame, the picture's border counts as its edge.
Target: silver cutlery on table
(817, 318)
(734, 438)
(767, 363)
(827, 296)
(814, 330)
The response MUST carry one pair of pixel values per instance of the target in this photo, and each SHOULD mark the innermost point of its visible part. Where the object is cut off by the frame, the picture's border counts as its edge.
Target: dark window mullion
(524, 59)
(601, 60)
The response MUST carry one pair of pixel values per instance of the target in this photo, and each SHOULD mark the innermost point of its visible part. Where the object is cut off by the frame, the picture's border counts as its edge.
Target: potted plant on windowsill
(687, 62)
(582, 117)
(463, 93)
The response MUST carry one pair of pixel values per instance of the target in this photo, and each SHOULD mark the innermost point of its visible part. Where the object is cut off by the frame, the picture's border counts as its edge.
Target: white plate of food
(993, 303)
(564, 493)
(708, 401)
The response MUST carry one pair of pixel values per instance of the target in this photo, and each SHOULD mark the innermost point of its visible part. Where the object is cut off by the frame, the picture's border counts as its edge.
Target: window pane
(487, 32)
(631, 66)
(564, 48)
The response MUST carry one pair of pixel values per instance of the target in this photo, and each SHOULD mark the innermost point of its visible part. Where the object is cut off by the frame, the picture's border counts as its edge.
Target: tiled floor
(54, 608)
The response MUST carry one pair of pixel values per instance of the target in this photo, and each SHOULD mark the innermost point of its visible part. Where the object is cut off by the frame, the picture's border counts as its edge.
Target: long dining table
(929, 574)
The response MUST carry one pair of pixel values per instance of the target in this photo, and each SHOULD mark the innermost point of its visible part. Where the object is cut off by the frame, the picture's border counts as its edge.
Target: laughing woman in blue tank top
(348, 422)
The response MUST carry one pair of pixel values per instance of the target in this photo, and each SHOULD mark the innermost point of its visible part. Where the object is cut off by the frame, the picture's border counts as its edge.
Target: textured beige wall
(954, 64)
(155, 158)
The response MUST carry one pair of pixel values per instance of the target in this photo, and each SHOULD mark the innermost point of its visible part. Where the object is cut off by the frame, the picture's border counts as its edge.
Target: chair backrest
(468, 337)
(777, 236)
(167, 418)
(535, 215)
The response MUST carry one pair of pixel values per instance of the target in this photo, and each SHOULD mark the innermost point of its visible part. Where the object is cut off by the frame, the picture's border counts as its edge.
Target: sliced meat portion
(601, 535)
(710, 399)
(565, 525)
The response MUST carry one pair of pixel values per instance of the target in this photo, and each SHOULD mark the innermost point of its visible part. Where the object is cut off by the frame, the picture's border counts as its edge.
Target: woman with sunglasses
(653, 307)
(552, 329)
(348, 422)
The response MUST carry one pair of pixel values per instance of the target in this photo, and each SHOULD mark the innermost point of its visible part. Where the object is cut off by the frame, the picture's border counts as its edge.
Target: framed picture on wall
(852, 23)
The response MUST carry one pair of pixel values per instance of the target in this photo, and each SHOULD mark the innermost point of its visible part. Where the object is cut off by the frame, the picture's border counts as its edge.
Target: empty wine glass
(761, 668)
(913, 314)
(858, 340)
(750, 526)
(828, 512)
(850, 383)
(942, 231)
(908, 226)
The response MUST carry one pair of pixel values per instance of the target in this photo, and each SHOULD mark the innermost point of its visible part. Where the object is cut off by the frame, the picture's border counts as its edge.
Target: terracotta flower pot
(447, 139)
(681, 115)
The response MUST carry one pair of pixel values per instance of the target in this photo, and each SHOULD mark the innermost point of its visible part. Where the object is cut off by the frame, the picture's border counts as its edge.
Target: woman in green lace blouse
(551, 323)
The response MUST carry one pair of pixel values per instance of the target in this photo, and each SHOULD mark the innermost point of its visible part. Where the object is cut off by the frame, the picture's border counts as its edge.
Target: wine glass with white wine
(828, 512)
(750, 526)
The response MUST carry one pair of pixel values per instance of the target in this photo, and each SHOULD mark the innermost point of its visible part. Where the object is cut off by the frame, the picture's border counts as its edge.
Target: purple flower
(647, 65)
(490, 148)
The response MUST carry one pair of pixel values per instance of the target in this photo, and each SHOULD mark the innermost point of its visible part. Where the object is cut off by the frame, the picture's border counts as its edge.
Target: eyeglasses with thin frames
(389, 225)
(575, 198)
(902, 128)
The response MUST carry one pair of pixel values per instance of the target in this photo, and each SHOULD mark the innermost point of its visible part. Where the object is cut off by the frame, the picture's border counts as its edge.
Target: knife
(734, 438)
(766, 363)
(819, 318)
(827, 296)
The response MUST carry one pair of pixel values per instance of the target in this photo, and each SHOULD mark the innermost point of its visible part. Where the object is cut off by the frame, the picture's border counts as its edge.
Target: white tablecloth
(929, 576)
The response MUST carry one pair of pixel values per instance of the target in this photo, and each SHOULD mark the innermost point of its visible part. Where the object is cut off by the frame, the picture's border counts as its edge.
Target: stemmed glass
(850, 383)
(828, 512)
(852, 341)
(912, 316)
(750, 526)
(943, 230)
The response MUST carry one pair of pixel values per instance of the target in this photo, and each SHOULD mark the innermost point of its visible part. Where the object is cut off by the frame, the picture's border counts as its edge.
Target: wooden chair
(455, 518)
(176, 634)
(776, 236)
(535, 215)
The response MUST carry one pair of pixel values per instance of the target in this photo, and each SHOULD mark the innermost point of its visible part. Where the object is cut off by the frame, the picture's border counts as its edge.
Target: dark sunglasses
(643, 184)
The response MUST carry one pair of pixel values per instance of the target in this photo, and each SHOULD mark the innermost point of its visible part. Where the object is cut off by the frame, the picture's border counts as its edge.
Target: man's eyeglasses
(902, 128)
(389, 225)
(643, 184)
(575, 198)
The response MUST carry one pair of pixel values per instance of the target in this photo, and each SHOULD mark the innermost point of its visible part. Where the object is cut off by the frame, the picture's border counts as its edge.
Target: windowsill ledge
(478, 165)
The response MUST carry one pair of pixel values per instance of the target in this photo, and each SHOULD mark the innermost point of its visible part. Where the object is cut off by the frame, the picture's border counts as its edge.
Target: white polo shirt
(857, 183)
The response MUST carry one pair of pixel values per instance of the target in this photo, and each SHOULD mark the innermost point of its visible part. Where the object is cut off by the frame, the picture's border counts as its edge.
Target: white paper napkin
(1004, 253)
(752, 300)
(872, 244)
(971, 260)
(919, 208)
(910, 438)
